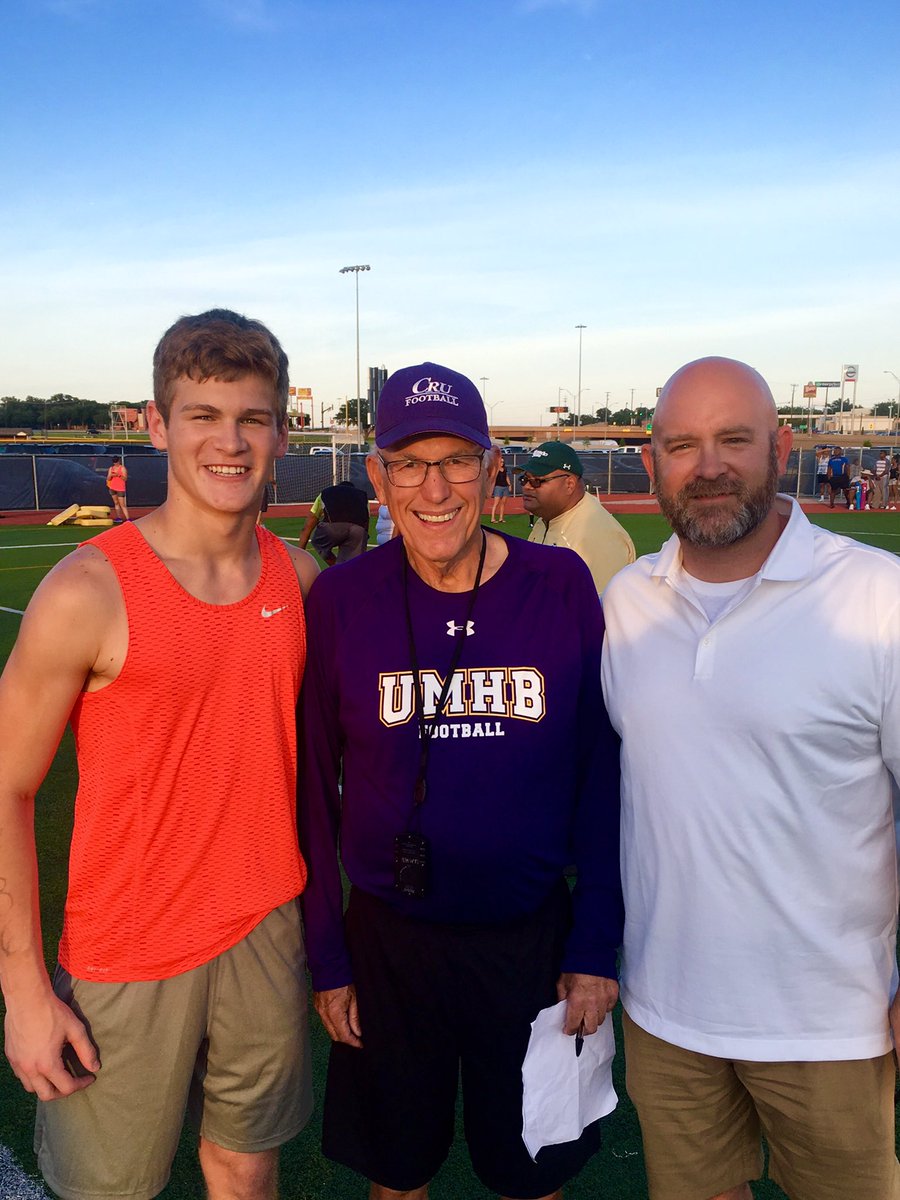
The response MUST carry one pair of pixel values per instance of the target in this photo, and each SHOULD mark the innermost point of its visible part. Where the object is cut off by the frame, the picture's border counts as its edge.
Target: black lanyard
(426, 730)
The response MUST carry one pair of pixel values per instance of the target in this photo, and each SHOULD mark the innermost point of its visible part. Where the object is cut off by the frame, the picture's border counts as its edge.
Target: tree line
(639, 415)
(62, 411)
(59, 411)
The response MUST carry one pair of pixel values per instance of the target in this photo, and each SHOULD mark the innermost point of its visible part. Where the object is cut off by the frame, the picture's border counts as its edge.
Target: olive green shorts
(829, 1125)
(227, 1040)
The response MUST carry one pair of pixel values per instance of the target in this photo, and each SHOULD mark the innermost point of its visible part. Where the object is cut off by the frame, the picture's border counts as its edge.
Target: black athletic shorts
(435, 1000)
(839, 482)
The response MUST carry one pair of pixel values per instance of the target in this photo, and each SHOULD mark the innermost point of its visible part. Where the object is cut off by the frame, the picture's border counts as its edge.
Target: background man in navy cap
(460, 927)
(554, 491)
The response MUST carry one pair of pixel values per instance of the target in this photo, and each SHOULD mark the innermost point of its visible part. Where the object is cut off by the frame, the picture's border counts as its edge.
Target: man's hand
(35, 1037)
(589, 997)
(339, 1014)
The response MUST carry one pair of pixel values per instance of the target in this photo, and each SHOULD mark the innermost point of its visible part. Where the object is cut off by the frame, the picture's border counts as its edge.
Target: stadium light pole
(355, 271)
(897, 377)
(490, 408)
(581, 329)
(587, 389)
(559, 392)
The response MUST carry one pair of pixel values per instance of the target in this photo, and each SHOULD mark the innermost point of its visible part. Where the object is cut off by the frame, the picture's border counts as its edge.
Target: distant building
(127, 418)
(856, 420)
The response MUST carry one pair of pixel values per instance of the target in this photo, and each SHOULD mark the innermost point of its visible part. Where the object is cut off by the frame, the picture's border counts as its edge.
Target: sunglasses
(538, 481)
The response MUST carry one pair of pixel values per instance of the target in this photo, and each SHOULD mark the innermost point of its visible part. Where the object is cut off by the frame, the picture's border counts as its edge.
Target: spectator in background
(500, 493)
(384, 525)
(338, 519)
(822, 457)
(554, 491)
(879, 493)
(839, 476)
(860, 490)
(116, 479)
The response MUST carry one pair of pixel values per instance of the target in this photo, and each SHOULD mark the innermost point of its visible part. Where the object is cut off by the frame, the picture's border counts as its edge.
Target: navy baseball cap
(429, 398)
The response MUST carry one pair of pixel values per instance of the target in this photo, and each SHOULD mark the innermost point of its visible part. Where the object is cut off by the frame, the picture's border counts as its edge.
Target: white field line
(14, 1183)
(861, 533)
(43, 546)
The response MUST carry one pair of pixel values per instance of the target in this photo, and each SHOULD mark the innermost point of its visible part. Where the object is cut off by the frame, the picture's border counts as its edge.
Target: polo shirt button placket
(703, 661)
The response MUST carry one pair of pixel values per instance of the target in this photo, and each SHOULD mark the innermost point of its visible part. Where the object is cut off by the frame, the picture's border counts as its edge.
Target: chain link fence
(54, 481)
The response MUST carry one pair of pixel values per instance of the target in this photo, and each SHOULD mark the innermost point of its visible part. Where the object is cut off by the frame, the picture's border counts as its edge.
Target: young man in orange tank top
(181, 966)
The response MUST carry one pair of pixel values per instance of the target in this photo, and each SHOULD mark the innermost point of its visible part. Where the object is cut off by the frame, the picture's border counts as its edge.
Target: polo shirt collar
(791, 557)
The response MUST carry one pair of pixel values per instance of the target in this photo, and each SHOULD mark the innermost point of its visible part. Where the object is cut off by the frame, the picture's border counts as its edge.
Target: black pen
(579, 1040)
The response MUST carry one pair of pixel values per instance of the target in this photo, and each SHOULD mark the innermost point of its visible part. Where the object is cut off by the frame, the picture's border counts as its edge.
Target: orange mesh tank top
(185, 818)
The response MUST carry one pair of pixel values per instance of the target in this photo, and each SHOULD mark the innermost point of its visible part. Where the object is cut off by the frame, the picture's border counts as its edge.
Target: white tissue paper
(563, 1093)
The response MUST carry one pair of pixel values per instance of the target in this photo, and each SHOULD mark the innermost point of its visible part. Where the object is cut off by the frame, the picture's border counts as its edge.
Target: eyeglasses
(538, 481)
(411, 472)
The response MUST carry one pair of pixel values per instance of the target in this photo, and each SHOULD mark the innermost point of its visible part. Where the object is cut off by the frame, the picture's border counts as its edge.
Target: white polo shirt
(593, 533)
(758, 852)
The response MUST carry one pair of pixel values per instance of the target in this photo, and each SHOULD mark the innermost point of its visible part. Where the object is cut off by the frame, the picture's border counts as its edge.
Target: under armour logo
(452, 629)
(270, 612)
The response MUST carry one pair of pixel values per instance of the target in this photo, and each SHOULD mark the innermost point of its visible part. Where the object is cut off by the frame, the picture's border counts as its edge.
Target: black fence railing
(54, 481)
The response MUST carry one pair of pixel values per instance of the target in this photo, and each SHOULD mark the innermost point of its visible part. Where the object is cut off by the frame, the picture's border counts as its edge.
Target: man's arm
(320, 814)
(588, 981)
(315, 516)
(307, 531)
(59, 644)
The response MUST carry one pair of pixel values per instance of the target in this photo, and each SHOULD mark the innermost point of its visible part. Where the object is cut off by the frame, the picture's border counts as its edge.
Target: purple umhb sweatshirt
(523, 774)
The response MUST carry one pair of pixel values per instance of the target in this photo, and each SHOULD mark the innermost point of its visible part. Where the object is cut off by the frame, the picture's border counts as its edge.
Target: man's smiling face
(717, 452)
(221, 438)
(439, 521)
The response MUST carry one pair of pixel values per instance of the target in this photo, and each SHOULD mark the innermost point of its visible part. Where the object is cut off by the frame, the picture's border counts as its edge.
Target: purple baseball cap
(427, 399)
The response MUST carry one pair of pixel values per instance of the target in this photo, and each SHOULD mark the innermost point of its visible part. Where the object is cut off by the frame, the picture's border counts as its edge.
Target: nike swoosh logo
(270, 612)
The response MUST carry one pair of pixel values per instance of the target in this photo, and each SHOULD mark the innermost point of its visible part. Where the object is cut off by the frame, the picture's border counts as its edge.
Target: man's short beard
(720, 525)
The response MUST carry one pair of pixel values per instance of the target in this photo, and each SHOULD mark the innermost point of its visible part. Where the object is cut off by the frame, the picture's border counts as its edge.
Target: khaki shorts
(829, 1125)
(228, 1039)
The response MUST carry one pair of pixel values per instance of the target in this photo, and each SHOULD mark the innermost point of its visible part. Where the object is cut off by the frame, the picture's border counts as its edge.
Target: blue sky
(681, 178)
